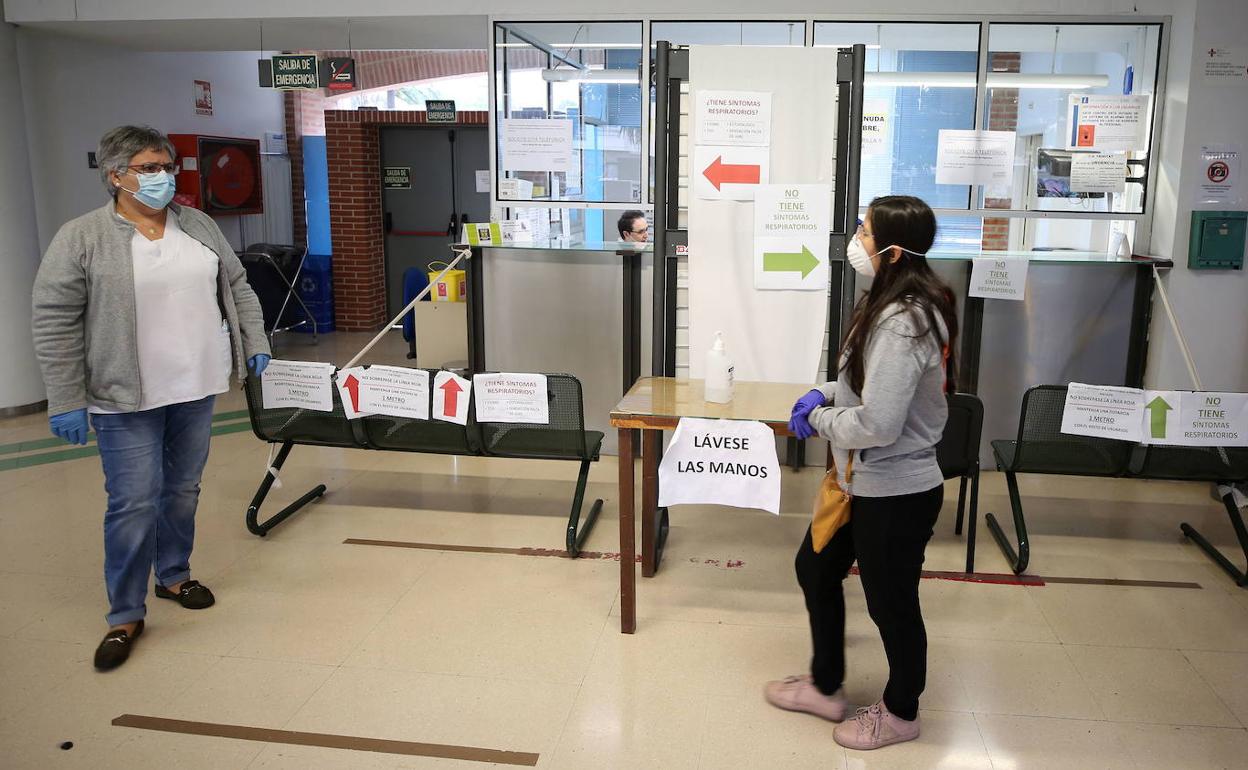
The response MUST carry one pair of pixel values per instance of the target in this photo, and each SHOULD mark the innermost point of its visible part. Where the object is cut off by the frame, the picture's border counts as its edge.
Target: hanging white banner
(773, 336)
(721, 462)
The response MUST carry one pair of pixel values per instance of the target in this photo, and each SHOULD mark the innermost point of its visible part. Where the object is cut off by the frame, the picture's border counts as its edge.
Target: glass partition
(920, 79)
(568, 110)
(1080, 98)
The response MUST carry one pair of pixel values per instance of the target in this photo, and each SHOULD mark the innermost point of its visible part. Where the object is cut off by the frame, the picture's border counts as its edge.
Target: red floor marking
(993, 578)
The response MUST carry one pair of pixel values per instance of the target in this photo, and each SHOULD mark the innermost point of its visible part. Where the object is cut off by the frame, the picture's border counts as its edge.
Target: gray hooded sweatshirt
(900, 416)
(83, 320)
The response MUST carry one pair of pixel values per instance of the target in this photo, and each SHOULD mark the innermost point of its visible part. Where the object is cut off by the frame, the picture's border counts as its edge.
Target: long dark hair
(908, 222)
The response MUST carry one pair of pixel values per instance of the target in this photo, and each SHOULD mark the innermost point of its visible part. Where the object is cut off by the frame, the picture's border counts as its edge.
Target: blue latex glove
(799, 425)
(258, 363)
(71, 426)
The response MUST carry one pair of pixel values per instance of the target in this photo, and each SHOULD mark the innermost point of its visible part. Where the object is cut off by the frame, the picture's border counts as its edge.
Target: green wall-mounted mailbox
(1217, 240)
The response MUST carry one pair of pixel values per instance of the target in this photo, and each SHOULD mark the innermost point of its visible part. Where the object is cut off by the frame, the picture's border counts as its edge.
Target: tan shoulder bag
(831, 509)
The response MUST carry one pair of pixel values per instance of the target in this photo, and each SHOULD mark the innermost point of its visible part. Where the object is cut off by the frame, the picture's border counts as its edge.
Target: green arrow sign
(1157, 416)
(798, 262)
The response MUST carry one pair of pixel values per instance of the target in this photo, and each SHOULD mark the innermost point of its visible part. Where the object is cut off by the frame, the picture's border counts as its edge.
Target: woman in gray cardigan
(142, 312)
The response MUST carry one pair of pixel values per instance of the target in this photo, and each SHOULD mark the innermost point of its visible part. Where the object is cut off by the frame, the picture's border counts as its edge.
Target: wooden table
(655, 404)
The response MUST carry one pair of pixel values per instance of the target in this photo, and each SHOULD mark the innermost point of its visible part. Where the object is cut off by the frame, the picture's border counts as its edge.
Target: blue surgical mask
(155, 190)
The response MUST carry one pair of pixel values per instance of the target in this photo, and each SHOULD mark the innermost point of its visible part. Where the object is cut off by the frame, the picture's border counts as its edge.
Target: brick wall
(355, 214)
(294, 148)
(1002, 116)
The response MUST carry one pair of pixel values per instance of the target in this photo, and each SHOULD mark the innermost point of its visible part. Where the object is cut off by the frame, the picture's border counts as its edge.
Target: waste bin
(270, 269)
(316, 289)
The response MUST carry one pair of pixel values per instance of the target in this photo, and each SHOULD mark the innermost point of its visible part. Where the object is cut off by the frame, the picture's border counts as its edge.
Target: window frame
(1143, 220)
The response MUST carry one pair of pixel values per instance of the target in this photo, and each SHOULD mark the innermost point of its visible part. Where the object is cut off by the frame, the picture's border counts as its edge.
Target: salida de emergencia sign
(721, 462)
(295, 72)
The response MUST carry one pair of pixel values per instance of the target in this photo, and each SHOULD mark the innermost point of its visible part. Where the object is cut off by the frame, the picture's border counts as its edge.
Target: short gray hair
(120, 144)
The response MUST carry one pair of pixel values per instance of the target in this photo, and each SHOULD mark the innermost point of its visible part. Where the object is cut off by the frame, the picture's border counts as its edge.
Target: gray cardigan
(84, 309)
(899, 418)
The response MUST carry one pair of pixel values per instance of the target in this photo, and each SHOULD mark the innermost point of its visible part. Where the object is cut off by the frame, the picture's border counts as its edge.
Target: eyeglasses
(642, 231)
(863, 231)
(155, 168)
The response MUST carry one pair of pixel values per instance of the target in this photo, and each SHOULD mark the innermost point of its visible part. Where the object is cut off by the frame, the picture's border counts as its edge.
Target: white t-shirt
(184, 344)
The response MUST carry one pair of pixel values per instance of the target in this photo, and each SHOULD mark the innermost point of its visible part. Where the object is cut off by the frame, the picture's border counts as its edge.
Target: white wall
(1212, 306)
(20, 383)
(74, 91)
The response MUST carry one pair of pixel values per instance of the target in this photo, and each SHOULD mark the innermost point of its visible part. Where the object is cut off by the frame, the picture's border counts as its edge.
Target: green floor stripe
(51, 443)
(31, 446)
(75, 453)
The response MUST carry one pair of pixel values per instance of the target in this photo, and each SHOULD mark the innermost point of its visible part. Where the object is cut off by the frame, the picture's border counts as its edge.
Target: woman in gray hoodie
(884, 414)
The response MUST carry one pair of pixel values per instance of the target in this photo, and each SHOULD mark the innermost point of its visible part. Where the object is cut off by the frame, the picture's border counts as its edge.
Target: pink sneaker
(873, 728)
(798, 693)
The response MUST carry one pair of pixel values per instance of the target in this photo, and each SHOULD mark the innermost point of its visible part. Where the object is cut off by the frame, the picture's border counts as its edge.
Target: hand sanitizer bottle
(719, 372)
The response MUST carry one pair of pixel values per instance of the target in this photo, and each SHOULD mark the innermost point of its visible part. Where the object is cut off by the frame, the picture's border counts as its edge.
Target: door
(421, 220)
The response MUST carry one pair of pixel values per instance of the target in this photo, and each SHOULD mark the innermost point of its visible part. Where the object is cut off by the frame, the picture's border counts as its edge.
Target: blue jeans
(153, 461)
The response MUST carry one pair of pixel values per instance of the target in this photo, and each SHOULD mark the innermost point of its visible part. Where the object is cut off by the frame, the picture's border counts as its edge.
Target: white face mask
(861, 261)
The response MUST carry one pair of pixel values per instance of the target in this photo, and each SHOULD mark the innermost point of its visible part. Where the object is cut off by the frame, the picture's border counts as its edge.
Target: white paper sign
(1195, 419)
(1107, 123)
(1220, 171)
(512, 398)
(451, 394)
(537, 144)
(537, 220)
(876, 133)
(1103, 411)
(791, 225)
(348, 382)
(483, 181)
(396, 391)
(516, 231)
(1226, 66)
(975, 157)
(729, 173)
(515, 190)
(721, 462)
(738, 118)
(298, 384)
(999, 278)
(1098, 172)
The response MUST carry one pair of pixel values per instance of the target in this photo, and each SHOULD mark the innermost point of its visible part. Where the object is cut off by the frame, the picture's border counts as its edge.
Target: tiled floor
(524, 653)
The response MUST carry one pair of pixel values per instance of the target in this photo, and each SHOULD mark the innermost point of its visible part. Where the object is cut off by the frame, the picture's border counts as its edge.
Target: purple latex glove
(799, 425)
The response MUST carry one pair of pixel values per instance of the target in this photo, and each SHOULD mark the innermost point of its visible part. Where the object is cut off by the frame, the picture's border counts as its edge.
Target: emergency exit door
(422, 220)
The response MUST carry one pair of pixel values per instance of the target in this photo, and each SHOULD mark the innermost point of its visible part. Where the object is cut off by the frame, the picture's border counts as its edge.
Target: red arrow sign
(353, 387)
(451, 389)
(730, 173)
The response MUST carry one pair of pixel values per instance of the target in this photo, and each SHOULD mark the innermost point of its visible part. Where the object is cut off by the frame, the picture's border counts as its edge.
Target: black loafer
(191, 595)
(115, 648)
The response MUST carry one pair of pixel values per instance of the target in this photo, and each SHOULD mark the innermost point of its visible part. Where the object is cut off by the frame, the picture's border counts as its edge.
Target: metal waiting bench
(1041, 447)
(564, 438)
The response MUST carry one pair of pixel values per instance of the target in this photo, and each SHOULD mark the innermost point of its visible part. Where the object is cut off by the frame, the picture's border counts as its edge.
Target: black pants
(887, 535)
